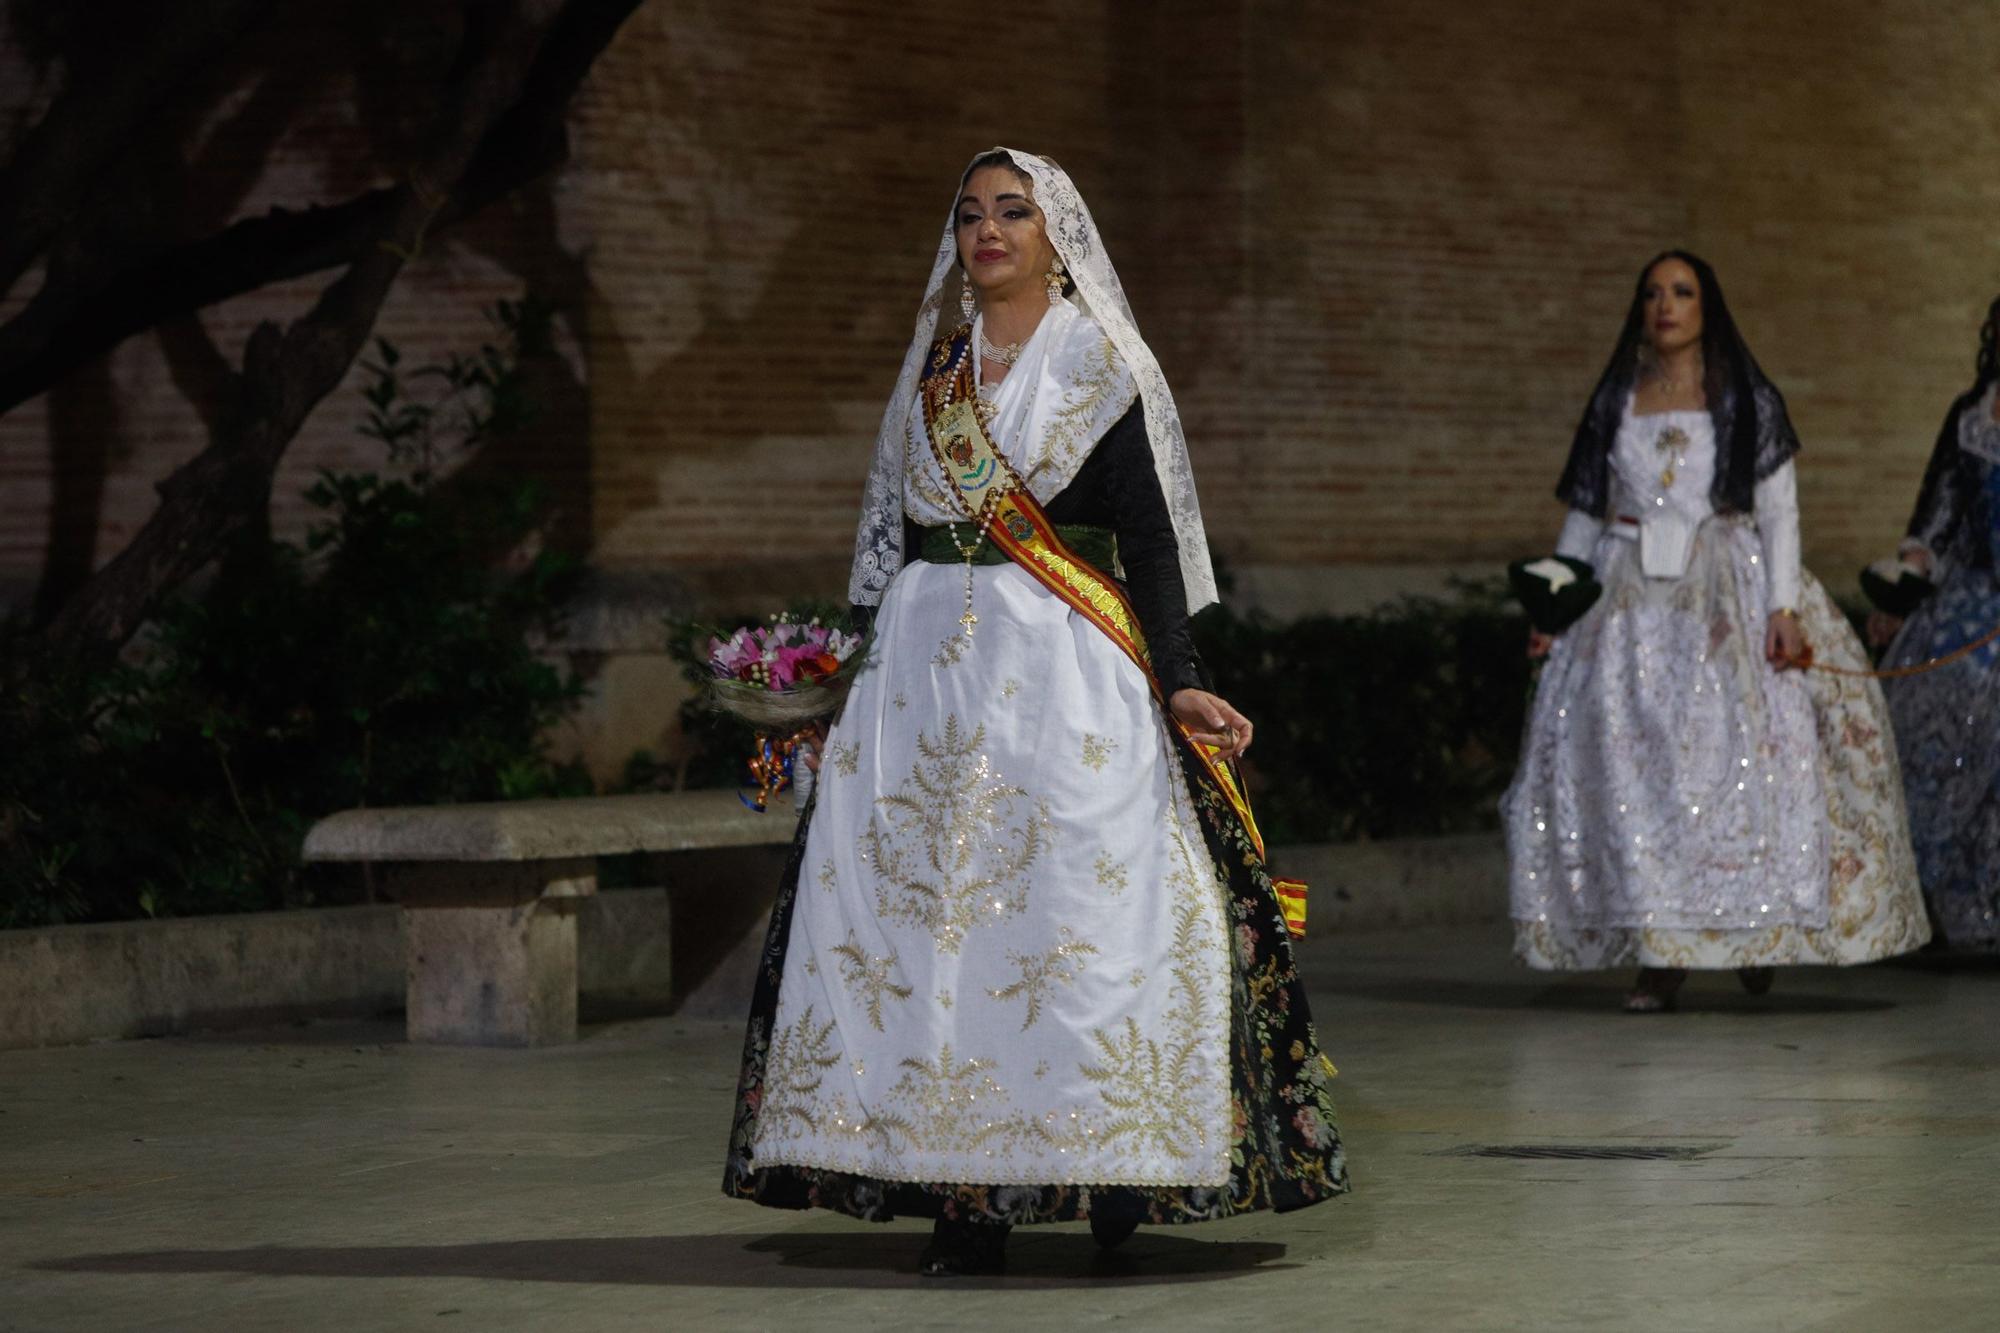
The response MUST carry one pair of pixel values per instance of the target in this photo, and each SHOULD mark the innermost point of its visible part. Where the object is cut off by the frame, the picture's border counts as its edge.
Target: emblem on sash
(971, 458)
(1005, 512)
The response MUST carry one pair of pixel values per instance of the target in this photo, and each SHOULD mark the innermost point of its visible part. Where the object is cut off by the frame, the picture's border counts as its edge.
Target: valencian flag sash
(1012, 519)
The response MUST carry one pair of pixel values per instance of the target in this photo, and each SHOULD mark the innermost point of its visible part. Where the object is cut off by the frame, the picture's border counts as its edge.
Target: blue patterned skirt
(1948, 737)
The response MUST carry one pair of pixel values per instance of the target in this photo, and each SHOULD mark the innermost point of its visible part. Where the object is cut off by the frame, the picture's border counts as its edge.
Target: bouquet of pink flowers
(784, 672)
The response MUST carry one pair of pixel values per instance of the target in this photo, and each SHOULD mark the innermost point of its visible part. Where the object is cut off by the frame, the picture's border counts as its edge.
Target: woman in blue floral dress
(1948, 719)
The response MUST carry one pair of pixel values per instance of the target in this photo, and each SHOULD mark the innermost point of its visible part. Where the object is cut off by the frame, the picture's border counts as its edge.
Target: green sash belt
(1097, 546)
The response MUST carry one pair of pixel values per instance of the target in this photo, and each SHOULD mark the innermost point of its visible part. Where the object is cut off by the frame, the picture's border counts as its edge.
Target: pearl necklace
(1006, 355)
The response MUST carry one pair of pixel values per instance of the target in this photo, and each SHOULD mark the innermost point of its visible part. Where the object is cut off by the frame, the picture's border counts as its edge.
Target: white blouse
(1662, 467)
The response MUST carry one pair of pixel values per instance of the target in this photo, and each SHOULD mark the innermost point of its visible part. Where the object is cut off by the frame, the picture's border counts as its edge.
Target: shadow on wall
(308, 110)
(236, 113)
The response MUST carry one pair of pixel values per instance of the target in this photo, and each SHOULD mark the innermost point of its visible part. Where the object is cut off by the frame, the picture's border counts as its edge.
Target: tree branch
(287, 372)
(59, 161)
(64, 328)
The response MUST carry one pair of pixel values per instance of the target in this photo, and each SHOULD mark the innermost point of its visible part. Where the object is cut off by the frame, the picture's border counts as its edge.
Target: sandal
(965, 1249)
(1657, 990)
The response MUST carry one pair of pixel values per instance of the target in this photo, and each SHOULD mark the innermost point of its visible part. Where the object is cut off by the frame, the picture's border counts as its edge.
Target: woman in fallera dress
(1688, 797)
(1948, 719)
(1026, 964)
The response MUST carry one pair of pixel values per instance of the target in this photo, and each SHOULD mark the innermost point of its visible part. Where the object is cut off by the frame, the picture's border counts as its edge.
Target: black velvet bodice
(1119, 488)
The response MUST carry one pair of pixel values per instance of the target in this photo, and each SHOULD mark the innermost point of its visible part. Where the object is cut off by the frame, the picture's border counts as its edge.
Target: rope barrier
(1807, 663)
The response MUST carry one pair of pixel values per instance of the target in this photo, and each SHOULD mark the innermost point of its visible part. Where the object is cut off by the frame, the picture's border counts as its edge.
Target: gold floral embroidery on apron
(868, 977)
(952, 847)
(1041, 972)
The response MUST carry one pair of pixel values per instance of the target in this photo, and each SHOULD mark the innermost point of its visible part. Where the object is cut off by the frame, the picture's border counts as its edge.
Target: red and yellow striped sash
(1014, 521)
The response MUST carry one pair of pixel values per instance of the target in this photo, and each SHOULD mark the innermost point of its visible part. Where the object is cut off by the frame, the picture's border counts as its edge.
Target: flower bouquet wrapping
(788, 676)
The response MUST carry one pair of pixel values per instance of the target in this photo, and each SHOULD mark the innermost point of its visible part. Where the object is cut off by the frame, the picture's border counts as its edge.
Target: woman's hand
(1883, 627)
(1539, 644)
(1784, 642)
(1211, 721)
(806, 745)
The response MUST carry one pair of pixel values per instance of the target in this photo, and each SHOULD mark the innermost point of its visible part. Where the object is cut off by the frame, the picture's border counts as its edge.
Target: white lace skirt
(1680, 803)
(1007, 961)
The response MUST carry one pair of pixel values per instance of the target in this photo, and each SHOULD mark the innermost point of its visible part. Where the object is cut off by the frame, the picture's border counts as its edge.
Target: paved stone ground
(332, 1177)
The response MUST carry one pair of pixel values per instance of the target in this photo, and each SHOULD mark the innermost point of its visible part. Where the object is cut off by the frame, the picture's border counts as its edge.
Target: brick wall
(1839, 175)
(1381, 249)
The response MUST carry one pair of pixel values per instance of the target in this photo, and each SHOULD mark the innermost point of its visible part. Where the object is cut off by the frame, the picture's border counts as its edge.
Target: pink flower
(788, 665)
(782, 654)
(729, 658)
(1311, 1128)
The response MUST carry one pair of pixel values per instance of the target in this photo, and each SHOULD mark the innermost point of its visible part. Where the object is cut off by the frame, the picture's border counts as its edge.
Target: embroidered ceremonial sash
(1013, 520)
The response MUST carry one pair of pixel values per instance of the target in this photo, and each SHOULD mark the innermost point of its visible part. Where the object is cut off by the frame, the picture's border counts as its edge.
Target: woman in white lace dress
(1026, 964)
(1688, 796)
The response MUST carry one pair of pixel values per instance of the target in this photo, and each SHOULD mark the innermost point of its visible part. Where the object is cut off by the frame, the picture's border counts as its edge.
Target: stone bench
(489, 894)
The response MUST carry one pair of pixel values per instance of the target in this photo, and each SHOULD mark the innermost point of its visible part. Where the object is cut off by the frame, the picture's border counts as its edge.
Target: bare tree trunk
(286, 372)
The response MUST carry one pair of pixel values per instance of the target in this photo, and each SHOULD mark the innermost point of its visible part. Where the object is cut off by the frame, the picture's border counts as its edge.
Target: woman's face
(1670, 301)
(1001, 242)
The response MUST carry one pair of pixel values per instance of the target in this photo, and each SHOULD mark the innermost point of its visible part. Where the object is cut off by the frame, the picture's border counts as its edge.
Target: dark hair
(1753, 432)
(1718, 326)
(994, 157)
(1727, 372)
(1000, 157)
(1986, 368)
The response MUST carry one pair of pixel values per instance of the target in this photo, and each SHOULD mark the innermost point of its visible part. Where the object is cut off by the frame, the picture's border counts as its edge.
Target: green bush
(1399, 723)
(389, 659)
(1403, 722)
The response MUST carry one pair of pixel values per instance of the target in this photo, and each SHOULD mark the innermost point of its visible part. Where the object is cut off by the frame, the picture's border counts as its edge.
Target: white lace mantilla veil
(878, 546)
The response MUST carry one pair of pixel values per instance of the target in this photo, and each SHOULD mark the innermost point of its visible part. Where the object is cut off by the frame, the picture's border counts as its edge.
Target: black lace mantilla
(1953, 492)
(1753, 430)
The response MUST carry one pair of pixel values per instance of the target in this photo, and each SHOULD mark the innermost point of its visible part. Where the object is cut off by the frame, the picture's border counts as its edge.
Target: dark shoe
(1109, 1234)
(1757, 980)
(965, 1249)
(1657, 990)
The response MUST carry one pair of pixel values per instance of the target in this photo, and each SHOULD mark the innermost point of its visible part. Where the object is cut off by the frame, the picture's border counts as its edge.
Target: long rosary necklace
(953, 648)
(979, 527)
